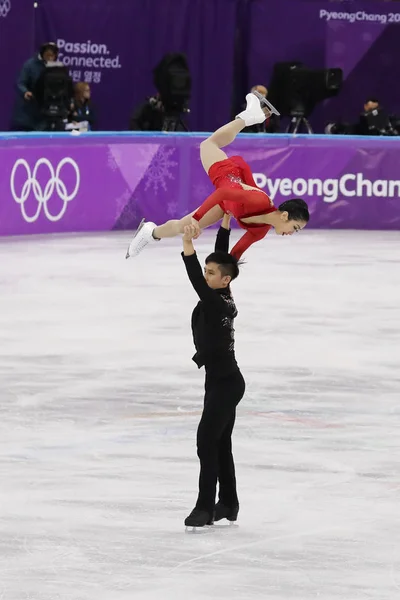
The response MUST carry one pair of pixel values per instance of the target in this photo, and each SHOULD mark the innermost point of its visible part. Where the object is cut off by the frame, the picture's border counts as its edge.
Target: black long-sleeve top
(212, 318)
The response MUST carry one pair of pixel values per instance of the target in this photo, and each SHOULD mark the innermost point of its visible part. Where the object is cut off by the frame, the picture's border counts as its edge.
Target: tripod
(173, 122)
(54, 124)
(296, 122)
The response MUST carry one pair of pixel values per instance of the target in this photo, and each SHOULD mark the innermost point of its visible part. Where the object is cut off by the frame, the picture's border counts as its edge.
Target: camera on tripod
(297, 89)
(54, 92)
(174, 84)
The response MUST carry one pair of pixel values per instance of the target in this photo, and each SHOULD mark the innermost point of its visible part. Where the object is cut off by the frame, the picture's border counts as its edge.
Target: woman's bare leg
(210, 153)
(210, 149)
(175, 227)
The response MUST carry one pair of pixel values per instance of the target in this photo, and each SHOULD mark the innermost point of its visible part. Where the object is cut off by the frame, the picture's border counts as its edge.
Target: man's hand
(28, 95)
(226, 221)
(190, 232)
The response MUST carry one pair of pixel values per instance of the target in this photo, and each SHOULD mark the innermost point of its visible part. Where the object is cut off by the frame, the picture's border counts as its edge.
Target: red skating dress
(227, 176)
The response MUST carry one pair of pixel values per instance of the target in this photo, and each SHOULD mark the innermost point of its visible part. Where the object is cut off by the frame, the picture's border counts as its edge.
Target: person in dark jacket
(26, 116)
(213, 336)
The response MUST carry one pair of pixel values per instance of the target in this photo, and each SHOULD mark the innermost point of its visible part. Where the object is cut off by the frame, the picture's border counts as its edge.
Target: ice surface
(100, 403)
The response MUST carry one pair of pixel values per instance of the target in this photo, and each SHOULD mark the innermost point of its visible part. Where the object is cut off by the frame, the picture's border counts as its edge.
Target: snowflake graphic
(172, 209)
(201, 191)
(159, 169)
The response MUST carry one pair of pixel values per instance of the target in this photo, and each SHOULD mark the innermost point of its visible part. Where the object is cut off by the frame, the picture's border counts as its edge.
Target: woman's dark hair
(296, 208)
(227, 264)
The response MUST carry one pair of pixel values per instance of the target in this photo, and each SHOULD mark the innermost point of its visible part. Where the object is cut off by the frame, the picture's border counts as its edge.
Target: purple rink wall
(57, 183)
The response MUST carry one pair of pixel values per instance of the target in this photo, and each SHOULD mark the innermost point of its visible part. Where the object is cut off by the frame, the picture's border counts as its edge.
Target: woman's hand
(196, 226)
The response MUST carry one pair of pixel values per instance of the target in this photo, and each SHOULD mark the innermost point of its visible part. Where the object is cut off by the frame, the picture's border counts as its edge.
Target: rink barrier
(57, 183)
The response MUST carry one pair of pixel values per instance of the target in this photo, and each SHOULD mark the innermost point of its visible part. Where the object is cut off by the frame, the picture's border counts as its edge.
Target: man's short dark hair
(49, 46)
(227, 264)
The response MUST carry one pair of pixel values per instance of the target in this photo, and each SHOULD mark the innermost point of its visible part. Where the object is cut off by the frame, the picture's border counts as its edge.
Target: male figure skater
(213, 335)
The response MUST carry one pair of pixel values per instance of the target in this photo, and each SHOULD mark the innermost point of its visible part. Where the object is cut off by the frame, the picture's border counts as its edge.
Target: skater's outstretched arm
(205, 293)
(224, 232)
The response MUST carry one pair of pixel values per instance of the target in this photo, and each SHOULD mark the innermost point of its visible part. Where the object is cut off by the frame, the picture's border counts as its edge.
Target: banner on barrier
(105, 183)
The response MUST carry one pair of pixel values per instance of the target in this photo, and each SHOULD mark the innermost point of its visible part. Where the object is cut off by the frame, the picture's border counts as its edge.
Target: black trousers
(214, 440)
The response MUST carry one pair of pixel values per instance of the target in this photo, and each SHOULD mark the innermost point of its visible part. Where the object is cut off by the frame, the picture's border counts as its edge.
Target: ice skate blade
(267, 103)
(191, 530)
(228, 525)
(137, 231)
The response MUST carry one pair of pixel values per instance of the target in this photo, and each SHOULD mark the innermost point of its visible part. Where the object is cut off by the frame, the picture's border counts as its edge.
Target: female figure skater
(237, 194)
(213, 335)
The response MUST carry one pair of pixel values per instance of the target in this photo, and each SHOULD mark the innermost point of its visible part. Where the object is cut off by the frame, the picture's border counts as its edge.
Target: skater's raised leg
(210, 149)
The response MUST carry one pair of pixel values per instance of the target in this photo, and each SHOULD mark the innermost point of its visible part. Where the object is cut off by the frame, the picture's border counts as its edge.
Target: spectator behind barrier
(270, 125)
(26, 115)
(81, 107)
(374, 120)
(149, 116)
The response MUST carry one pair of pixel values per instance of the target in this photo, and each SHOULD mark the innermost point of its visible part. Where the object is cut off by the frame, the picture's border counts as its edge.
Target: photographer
(27, 115)
(374, 120)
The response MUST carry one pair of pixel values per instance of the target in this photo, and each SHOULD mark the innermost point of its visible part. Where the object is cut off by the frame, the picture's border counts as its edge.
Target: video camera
(174, 84)
(297, 89)
(54, 92)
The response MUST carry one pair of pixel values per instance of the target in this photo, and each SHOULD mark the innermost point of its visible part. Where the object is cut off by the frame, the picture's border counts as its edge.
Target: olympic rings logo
(43, 194)
(5, 7)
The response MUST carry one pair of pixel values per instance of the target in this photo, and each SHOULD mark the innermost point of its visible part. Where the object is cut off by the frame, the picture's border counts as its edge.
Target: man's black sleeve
(222, 240)
(204, 292)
